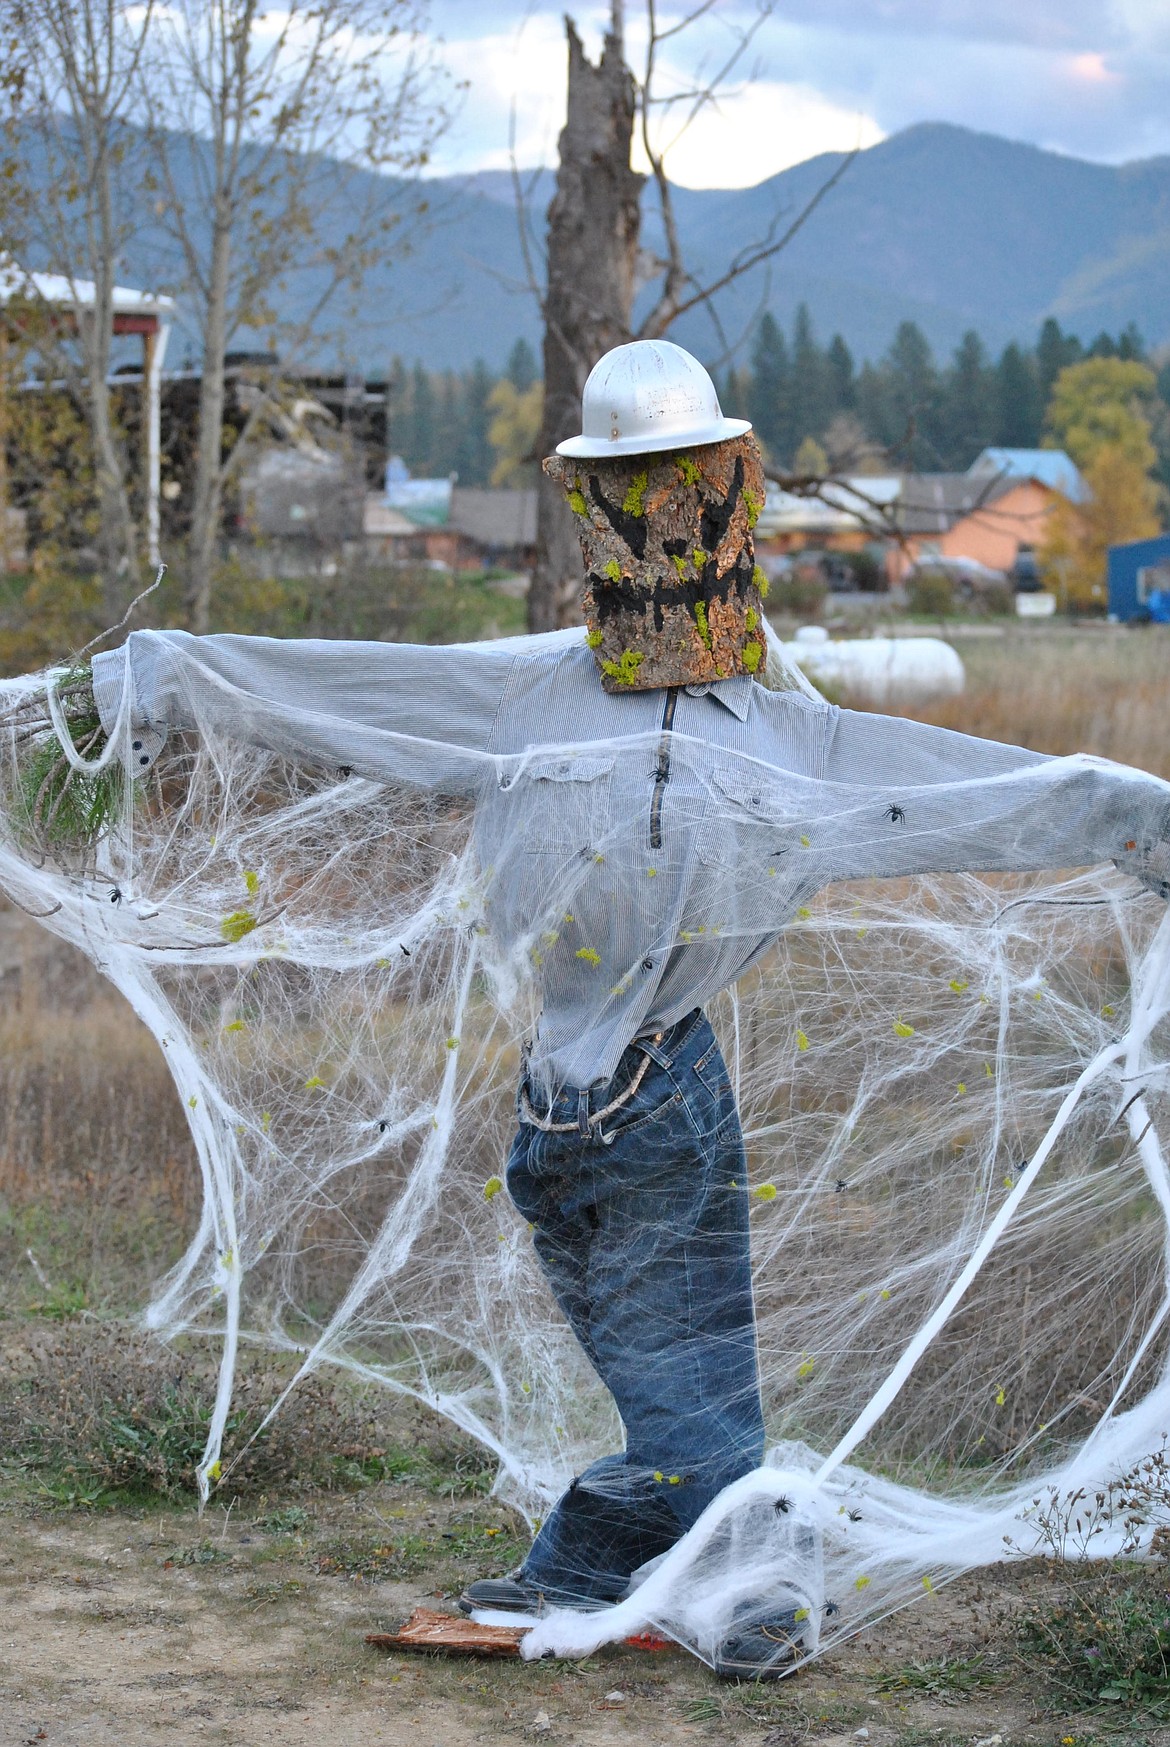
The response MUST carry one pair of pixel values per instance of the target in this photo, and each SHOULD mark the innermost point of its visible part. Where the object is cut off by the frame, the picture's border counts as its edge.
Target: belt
(586, 1121)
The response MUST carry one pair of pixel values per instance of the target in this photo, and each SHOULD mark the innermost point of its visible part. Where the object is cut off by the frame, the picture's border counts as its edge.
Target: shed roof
(70, 293)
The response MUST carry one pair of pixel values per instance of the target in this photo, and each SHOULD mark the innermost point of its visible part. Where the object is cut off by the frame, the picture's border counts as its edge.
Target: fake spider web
(952, 1088)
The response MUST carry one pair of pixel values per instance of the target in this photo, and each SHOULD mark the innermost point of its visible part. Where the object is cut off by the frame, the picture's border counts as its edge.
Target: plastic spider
(832, 1609)
(784, 1505)
(895, 814)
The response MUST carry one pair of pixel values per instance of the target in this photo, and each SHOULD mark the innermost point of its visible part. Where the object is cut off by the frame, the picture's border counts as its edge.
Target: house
(437, 521)
(842, 517)
(993, 514)
(1139, 580)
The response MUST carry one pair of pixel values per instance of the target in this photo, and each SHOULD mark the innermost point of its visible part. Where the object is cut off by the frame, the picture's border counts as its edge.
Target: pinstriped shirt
(638, 851)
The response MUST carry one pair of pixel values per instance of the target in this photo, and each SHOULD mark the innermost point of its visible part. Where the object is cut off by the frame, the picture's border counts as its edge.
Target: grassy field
(130, 1620)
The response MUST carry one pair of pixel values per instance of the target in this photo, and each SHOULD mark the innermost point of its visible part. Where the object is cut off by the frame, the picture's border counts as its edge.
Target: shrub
(931, 593)
(800, 594)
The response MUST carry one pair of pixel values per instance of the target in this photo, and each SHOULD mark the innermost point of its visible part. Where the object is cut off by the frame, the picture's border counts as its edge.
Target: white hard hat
(647, 396)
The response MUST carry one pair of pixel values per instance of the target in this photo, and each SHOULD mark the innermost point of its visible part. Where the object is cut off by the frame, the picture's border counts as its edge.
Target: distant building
(146, 314)
(1139, 580)
(462, 527)
(1050, 467)
(496, 526)
(842, 517)
(990, 517)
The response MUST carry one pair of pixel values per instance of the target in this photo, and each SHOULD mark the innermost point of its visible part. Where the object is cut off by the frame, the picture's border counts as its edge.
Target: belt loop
(652, 1046)
(583, 1112)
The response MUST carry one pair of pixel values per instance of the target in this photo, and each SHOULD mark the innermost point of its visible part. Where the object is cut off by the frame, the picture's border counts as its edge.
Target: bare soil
(122, 1628)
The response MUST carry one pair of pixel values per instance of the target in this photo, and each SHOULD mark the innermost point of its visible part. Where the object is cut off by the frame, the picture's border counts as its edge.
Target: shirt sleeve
(911, 798)
(390, 711)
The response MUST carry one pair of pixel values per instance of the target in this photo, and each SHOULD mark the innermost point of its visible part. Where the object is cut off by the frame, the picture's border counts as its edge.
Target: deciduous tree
(79, 64)
(290, 106)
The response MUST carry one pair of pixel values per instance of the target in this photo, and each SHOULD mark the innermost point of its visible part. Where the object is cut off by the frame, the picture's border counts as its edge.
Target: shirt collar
(735, 694)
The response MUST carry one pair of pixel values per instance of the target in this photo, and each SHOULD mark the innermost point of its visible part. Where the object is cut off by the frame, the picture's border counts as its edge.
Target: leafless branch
(664, 313)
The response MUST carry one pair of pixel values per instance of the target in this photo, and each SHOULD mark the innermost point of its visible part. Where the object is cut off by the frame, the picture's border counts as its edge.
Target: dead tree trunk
(592, 256)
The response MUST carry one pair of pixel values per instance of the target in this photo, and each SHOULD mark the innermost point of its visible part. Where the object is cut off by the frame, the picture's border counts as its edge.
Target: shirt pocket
(564, 802)
(749, 818)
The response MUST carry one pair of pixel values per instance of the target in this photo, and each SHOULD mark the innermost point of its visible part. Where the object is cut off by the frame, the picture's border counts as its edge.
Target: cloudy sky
(1087, 77)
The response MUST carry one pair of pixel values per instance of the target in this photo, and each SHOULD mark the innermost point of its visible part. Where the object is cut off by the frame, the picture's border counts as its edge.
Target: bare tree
(593, 225)
(79, 65)
(291, 107)
(593, 253)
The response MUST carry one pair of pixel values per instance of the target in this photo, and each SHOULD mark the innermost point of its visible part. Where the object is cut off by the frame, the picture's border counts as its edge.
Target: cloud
(1049, 24)
(1086, 77)
(759, 130)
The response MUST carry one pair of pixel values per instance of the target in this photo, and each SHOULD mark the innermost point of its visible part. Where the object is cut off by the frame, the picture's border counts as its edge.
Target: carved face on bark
(672, 593)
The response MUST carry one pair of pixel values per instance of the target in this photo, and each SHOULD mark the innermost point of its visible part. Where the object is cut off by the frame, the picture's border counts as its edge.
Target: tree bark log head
(671, 590)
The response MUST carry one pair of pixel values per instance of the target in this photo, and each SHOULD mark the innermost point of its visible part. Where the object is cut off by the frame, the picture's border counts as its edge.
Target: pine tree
(1019, 410)
(811, 411)
(1131, 348)
(736, 394)
(474, 457)
(1054, 352)
(521, 367)
(967, 404)
(842, 387)
(912, 398)
(419, 425)
(770, 405)
(444, 457)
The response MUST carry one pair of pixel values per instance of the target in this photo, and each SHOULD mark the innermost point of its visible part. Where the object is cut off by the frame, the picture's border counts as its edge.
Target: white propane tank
(878, 670)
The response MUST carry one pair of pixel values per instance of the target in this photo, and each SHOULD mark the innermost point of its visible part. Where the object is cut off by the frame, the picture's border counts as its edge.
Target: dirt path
(119, 1630)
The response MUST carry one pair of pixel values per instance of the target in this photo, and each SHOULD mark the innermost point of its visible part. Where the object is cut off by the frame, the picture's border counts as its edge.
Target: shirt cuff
(111, 671)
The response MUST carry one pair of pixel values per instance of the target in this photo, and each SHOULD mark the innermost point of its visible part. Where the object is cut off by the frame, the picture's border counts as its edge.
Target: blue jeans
(641, 1225)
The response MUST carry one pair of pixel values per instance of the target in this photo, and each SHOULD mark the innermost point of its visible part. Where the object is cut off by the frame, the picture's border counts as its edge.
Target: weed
(204, 1553)
(372, 1564)
(265, 1594)
(946, 1679)
(1107, 1641)
(1137, 1502)
(61, 1303)
(291, 1519)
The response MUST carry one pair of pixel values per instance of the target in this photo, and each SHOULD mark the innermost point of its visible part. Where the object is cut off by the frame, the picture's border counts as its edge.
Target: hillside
(946, 226)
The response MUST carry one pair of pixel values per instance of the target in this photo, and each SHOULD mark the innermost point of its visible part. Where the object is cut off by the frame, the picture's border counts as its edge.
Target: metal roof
(842, 506)
(58, 288)
(1050, 467)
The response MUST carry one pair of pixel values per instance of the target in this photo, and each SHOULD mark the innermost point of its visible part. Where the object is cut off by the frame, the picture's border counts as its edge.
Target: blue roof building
(1052, 467)
(1139, 580)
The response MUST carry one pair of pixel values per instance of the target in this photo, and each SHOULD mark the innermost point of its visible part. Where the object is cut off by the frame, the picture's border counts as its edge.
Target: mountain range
(948, 227)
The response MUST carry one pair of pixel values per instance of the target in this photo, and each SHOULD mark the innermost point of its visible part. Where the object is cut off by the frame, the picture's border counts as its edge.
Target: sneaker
(515, 1594)
(761, 1649)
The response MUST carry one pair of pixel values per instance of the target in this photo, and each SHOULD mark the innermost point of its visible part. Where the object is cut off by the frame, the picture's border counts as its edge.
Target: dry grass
(97, 1171)
(1101, 690)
